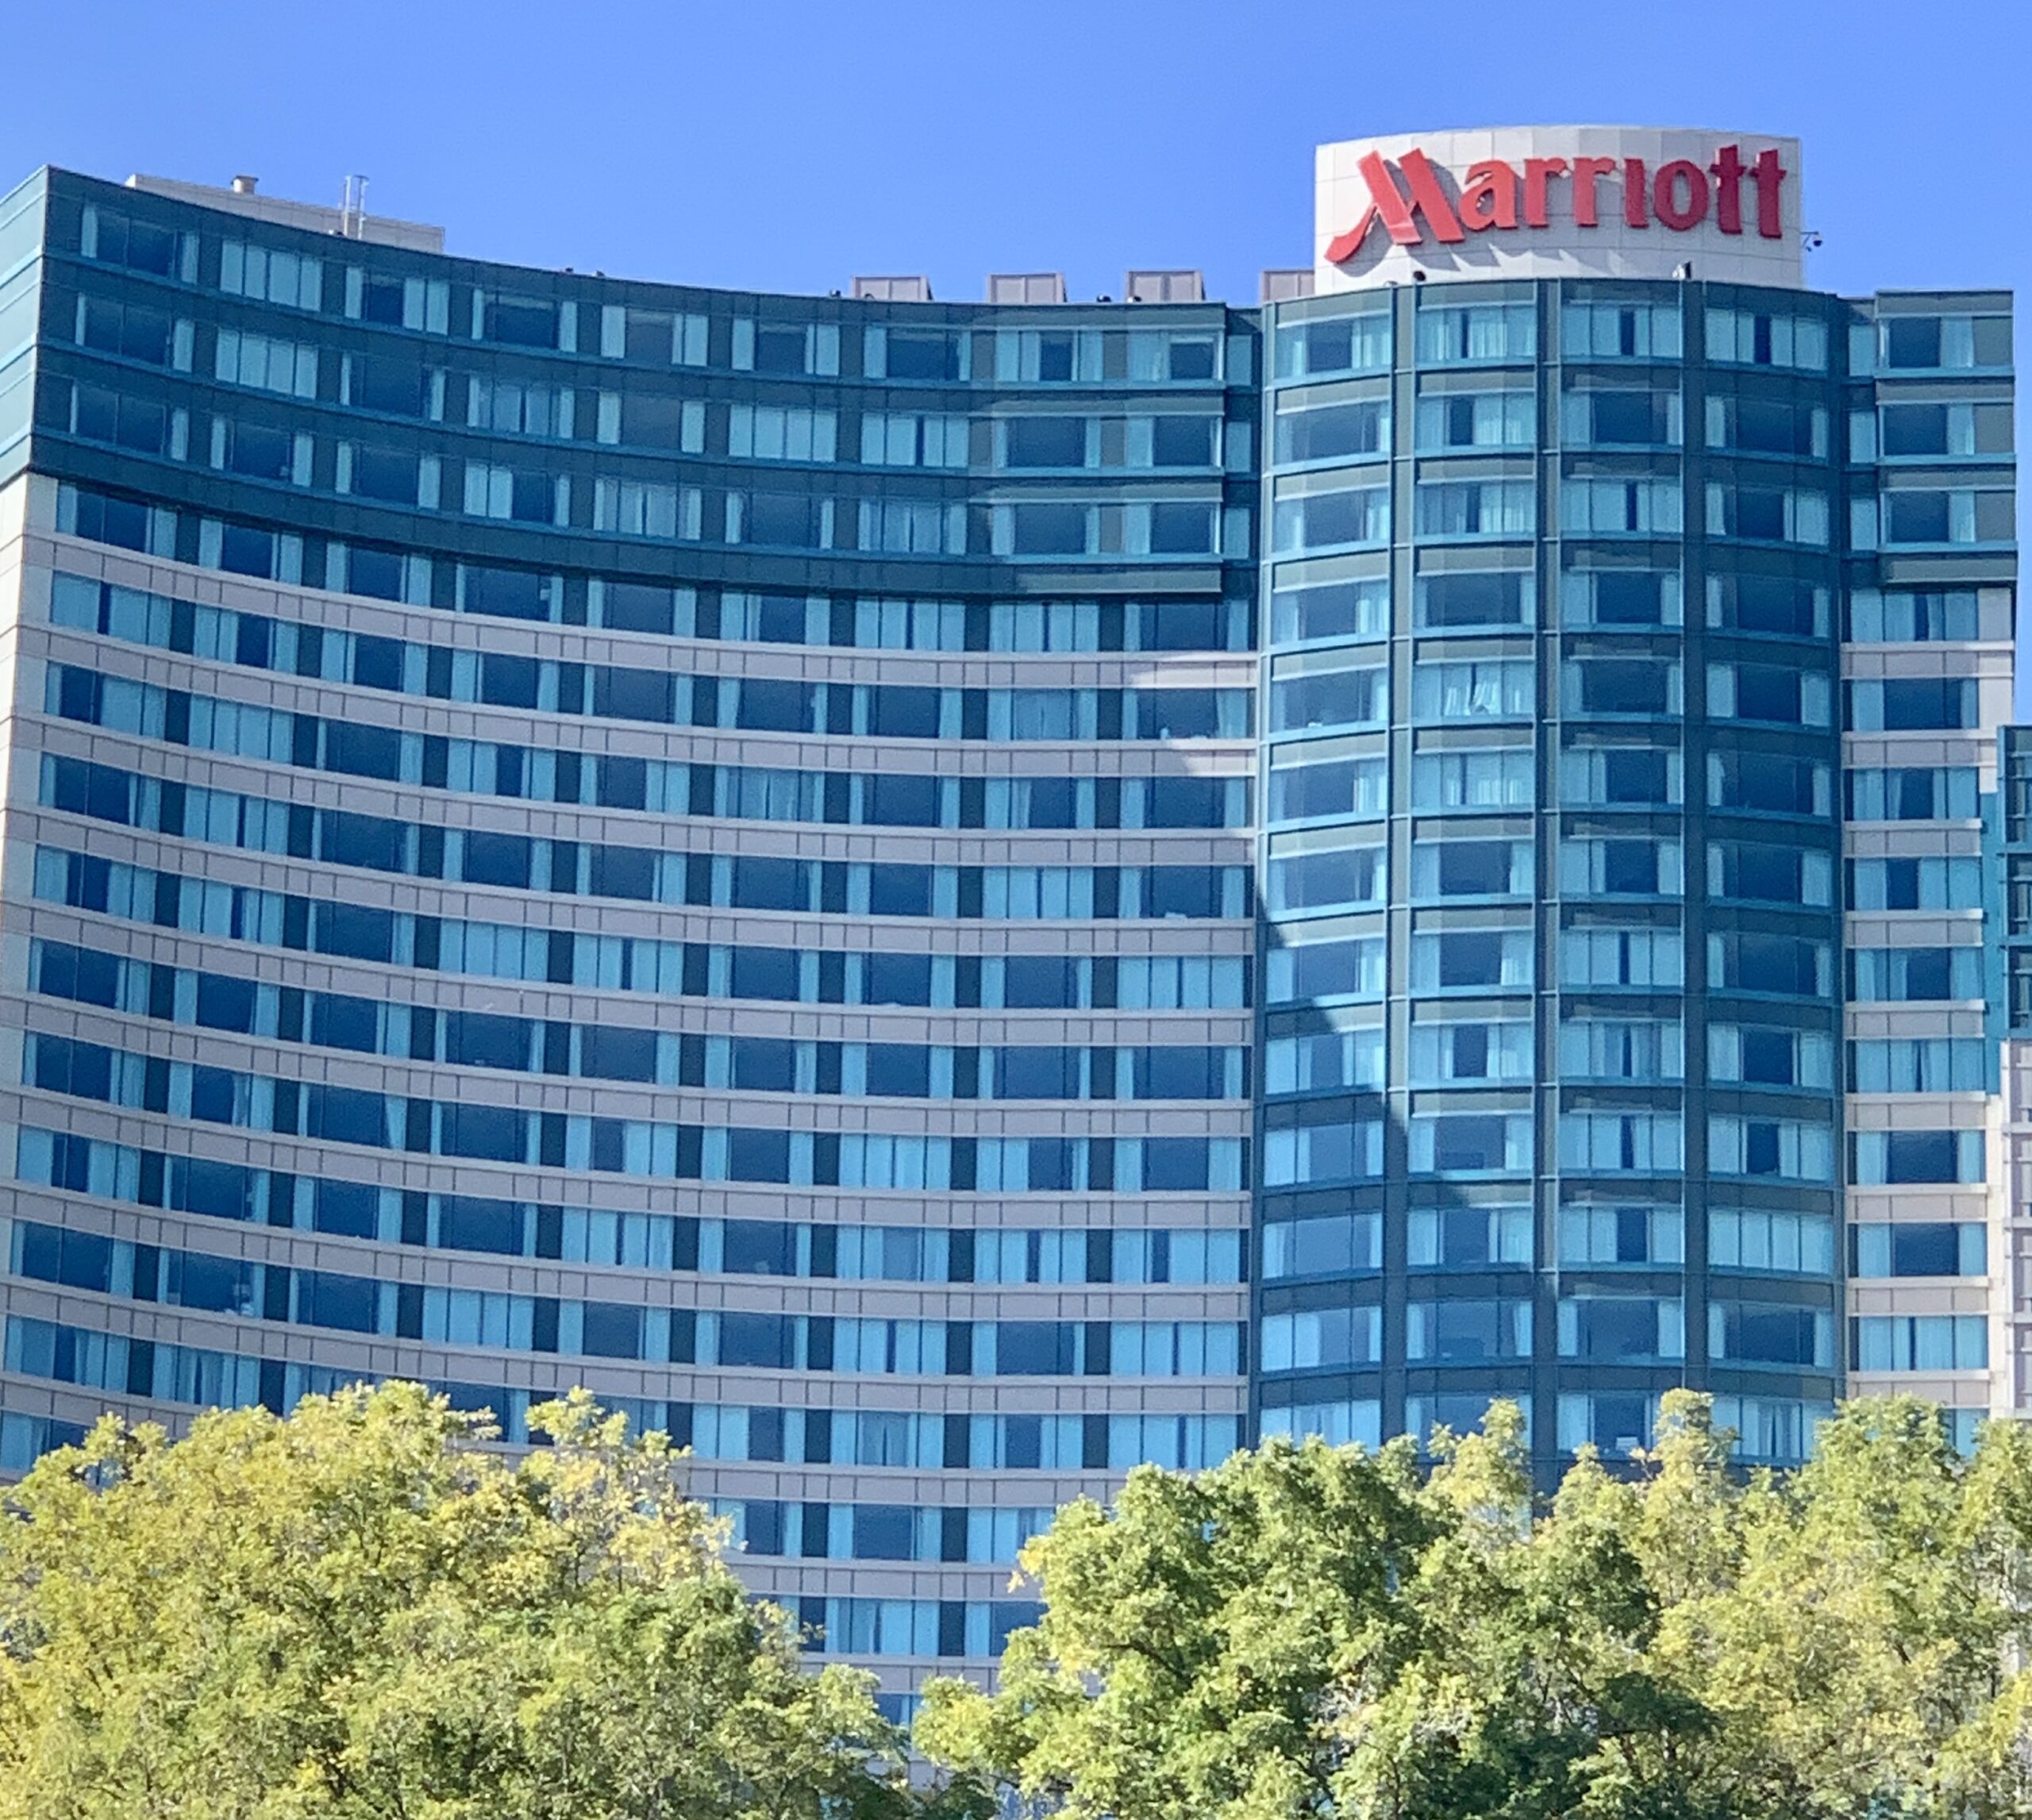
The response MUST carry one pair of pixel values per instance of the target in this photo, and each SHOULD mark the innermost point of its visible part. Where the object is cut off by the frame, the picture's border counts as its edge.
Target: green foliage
(1311, 1631)
(358, 1612)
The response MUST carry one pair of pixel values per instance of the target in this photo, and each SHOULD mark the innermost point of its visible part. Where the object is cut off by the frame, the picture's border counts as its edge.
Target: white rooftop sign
(1558, 201)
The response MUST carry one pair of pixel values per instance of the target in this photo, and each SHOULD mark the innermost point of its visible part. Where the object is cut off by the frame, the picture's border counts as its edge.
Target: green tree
(360, 1611)
(1307, 1631)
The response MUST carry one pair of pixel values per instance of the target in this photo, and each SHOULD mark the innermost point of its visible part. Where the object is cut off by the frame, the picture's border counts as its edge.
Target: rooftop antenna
(353, 210)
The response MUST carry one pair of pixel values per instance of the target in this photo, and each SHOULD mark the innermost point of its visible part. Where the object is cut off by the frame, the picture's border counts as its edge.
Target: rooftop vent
(1026, 287)
(245, 185)
(1285, 284)
(1164, 287)
(911, 289)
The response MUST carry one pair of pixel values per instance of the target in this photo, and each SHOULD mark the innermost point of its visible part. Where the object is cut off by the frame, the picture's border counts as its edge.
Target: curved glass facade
(1552, 774)
(942, 899)
(564, 831)
(1578, 898)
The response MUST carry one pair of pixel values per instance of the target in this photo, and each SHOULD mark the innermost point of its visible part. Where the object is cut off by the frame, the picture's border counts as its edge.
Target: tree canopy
(360, 1611)
(1313, 1631)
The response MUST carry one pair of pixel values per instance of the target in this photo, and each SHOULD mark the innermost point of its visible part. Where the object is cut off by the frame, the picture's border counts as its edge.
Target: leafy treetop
(1314, 1631)
(361, 1612)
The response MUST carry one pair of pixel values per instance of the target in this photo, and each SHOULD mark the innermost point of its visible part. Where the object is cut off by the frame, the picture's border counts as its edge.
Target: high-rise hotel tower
(943, 898)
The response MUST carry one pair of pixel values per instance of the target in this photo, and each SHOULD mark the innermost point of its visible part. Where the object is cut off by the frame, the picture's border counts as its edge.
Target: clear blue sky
(790, 143)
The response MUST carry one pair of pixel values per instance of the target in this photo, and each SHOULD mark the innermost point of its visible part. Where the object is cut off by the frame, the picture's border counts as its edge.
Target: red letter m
(1396, 210)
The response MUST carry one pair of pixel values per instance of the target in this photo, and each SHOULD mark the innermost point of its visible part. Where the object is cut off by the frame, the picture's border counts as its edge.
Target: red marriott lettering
(1679, 195)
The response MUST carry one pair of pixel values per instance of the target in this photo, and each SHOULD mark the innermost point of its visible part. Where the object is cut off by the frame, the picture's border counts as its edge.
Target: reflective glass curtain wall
(1555, 868)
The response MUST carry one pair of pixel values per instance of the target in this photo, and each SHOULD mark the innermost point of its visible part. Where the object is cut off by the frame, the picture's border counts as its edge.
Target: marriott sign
(1554, 201)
